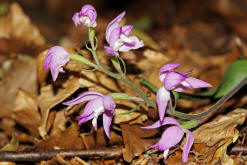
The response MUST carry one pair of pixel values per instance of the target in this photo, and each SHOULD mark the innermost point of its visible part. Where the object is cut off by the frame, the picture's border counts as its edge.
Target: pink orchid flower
(98, 104)
(172, 136)
(118, 37)
(176, 81)
(87, 16)
(56, 57)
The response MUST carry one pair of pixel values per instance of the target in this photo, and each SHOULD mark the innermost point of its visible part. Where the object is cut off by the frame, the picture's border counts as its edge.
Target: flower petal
(162, 99)
(188, 145)
(166, 153)
(134, 44)
(173, 79)
(170, 137)
(126, 29)
(110, 52)
(107, 118)
(166, 121)
(55, 58)
(112, 25)
(76, 18)
(85, 119)
(91, 107)
(153, 146)
(168, 67)
(84, 97)
(196, 83)
(90, 12)
(108, 103)
(114, 36)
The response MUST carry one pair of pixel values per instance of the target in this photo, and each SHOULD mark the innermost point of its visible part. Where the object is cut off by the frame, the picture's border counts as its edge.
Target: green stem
(114, 75)
(82, 59)
(203, 115)
(138, 91)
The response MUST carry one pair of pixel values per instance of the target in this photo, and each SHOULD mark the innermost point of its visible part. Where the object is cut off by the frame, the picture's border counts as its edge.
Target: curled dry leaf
(136, 140)
(67, 139)
(13, 144)
(220, 133)
(221, 128)
(25, 112)
(21, 74)
(48, 99)
(17, 33)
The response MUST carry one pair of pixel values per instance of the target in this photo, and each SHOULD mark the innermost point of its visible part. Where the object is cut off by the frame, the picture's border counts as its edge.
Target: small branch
(39, 155)
(236, 149)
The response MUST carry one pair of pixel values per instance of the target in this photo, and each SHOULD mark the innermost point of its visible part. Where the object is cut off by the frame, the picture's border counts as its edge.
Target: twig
(39, 155)
(236, 149)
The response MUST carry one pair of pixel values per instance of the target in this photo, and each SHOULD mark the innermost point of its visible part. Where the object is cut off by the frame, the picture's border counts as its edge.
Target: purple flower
(87, 16)
(98, 104)
(176, 81)
(172, 136)
(118, 37)
(56, 57)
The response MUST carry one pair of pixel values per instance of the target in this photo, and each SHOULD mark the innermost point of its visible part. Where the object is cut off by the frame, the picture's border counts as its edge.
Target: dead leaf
(22, 74)
(220, 133)
(13, 144)
(221, 128)
(42, 74)
(48, 99)
(136, 140)
(25, 112)
(67, 139)
(7, 163)
(17, 33)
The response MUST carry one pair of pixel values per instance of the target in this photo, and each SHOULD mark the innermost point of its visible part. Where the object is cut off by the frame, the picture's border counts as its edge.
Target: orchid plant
(119, 40)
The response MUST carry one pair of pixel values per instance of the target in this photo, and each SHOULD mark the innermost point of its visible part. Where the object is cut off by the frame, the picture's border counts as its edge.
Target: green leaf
(234, 74)
(82, 59)
(123, 96)
(132, 110)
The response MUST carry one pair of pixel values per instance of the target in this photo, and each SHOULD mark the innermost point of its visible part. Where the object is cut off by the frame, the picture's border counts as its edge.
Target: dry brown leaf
(42, 74)
(25, 112)
(22, 74)
(17, 34)
(59, 122)
(7, 163)
(220, 133)
(67, 139)
(13, 144)
(136, 140)
(98, 138)
(221, 128)
(48, 99)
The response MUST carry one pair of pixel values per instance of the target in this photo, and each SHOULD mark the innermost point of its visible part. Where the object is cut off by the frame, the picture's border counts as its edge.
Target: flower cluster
(173, 81)
(98, 104)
